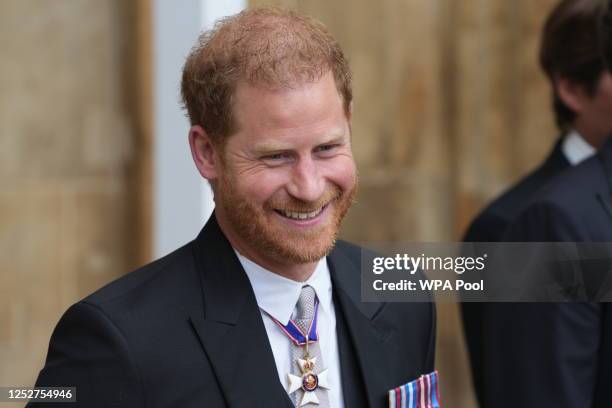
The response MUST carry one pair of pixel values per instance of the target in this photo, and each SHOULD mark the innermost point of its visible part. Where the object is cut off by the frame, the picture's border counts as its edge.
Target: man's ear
(571, 93)
(204, 153)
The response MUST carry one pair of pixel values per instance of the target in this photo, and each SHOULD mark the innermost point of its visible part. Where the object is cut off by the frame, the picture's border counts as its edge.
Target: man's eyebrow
(267, 147)
(335, 139)
(279, 146)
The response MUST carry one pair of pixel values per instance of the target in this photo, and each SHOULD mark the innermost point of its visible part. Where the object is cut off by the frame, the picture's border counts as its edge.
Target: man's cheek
(343, 173)
(261, 186)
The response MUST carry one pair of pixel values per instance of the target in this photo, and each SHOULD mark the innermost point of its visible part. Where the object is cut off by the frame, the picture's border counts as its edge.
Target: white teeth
(301, 215)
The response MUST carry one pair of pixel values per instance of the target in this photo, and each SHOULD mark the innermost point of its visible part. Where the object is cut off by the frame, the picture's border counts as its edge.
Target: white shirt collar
(277, 295)
(575, 148)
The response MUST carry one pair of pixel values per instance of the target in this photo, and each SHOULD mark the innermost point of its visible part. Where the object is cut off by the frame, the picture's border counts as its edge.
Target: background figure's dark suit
(491, 223)
(489, 226)
(559, 354)
(185, 331)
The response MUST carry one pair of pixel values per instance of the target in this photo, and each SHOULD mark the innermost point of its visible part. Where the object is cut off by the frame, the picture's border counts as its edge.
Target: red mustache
(295, 205)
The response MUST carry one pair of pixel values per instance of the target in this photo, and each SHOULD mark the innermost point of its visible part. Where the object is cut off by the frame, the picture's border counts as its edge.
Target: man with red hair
(263, 308)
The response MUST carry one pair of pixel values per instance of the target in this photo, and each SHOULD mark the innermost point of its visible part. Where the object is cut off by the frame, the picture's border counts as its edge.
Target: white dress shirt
(278, 296)
(575, 148)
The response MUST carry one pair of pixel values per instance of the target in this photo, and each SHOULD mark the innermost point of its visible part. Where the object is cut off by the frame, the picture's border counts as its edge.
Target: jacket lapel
(370, 341)
(230, 327)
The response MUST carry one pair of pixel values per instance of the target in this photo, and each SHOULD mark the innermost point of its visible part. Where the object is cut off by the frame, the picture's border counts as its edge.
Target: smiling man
(286, 178)
(263, 308)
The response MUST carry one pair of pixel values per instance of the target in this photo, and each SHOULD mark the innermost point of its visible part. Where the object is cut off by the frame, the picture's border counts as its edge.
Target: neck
(593, 136)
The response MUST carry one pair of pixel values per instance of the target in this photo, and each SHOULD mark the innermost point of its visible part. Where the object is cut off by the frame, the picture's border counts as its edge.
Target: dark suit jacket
(491, 223)
(185, 331)
(560, 354)
(489, 226)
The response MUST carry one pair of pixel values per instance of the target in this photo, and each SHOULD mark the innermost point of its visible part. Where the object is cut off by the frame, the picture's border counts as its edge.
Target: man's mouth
(300, 215)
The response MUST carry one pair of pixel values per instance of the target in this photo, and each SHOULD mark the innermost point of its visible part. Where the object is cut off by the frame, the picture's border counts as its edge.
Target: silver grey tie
(302, 317)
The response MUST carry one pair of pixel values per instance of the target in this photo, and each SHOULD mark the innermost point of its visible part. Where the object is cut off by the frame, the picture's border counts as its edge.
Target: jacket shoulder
(155, 283)
(490, 224)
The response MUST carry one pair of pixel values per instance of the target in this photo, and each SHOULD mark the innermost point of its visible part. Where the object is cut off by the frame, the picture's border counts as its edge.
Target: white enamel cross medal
(308, 381)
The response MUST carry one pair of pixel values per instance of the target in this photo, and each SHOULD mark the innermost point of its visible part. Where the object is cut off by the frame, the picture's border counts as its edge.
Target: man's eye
(275, 156)
(326, 148)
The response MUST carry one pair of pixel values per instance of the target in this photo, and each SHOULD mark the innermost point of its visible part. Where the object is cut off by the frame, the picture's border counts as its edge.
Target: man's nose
(306, 183)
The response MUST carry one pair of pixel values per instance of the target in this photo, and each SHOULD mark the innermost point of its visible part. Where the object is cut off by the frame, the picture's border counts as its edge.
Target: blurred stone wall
(67, 111)
(450, 108)
(503, 122)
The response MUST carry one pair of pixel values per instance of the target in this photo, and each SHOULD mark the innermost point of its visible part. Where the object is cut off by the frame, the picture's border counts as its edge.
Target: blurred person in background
(563, 351)
(263, 308)
(581, 88)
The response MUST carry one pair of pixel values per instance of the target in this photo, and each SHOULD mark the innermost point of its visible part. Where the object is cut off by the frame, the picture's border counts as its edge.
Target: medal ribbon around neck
(295, 334)
(307, 381)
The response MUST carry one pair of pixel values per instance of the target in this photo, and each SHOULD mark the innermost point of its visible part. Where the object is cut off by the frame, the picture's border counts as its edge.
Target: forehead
(310, 105)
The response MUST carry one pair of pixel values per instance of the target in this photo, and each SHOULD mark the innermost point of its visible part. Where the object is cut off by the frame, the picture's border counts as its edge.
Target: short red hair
(262, 46)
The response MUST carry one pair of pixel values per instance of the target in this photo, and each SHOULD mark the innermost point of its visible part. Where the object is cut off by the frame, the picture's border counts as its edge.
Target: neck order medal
(308, 381)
